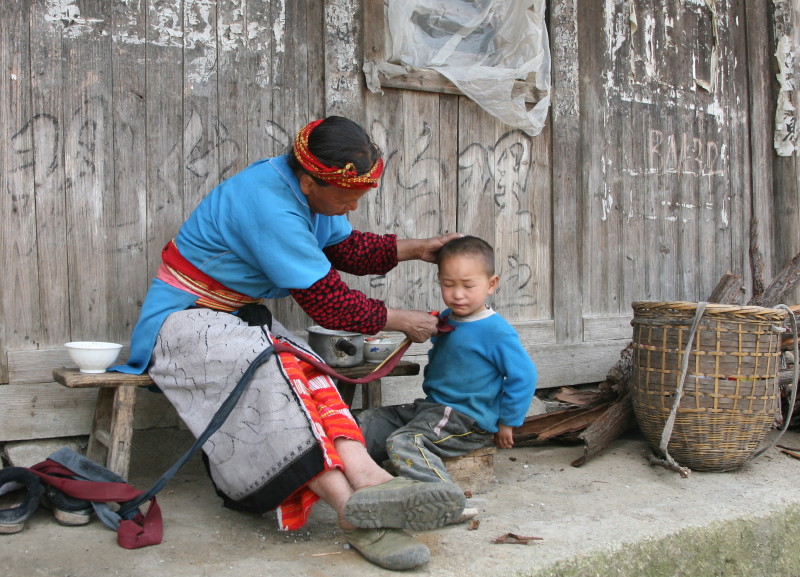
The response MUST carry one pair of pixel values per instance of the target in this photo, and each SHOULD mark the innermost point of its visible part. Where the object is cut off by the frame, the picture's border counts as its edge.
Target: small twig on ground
(512, 539)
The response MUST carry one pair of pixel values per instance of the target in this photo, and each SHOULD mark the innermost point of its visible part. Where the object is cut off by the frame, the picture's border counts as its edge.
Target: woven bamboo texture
(731, 395)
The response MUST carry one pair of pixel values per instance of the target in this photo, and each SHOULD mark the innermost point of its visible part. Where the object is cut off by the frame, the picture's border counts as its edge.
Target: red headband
(346, 177)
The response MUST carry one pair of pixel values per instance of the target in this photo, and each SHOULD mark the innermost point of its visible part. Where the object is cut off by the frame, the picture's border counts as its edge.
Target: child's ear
(494, 280)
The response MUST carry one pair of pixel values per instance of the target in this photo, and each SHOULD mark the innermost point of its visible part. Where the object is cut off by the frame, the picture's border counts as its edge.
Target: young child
(479, 381)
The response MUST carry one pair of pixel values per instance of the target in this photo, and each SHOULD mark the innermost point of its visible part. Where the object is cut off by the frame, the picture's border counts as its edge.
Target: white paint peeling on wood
(632, 19)
(67, 14)
(607, 199)
(165, 19)
(232, 35)
(649, 46)
(126, 23)
(341, 25)
(279, 28)
(787, 27)
(200, 39)
(565, 33)
(641, 37)
(617, 37)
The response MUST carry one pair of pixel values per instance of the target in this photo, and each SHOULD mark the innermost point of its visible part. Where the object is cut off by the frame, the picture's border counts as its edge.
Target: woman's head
(336, 151)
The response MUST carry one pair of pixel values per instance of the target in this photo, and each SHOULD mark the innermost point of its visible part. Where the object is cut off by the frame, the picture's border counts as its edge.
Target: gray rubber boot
(388, 548)
(404, 503)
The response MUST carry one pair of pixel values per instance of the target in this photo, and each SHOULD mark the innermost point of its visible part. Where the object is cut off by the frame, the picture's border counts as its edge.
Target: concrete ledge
(763, 546)
(617, 516)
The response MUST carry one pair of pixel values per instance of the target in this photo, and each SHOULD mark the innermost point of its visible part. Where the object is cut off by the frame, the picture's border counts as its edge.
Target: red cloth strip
(141, 531)
(345, 177)
(215, 295)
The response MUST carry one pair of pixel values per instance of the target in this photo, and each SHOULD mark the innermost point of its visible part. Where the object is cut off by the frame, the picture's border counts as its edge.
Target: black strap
(216, 422)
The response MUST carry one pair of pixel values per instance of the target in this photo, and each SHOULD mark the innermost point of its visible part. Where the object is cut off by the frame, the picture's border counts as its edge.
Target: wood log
(614, 422)
(729, 290)
(533, 426)
(756, 261)
(783, 284)
(582, 418)
(577, 397)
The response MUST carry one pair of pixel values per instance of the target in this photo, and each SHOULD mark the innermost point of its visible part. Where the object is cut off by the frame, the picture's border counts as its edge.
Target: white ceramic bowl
(378, 347)
(92, 356)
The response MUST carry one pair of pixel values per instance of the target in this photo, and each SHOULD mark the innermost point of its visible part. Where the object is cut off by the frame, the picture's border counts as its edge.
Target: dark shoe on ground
(388, 548)
(404, 503)
(23, 497)
(67, 510)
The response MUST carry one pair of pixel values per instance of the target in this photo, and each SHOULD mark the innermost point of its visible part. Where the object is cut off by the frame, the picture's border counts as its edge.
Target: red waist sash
(213, 294)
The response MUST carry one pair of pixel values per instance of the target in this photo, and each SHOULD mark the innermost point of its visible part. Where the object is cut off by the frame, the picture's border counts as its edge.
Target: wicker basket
(730, 394)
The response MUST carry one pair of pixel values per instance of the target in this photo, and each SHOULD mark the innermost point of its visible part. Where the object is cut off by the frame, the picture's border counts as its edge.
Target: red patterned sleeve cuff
(364, 253)
(333, 305)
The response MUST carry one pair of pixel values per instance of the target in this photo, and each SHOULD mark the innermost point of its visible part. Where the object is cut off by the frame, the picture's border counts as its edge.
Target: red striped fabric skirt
(331, 420)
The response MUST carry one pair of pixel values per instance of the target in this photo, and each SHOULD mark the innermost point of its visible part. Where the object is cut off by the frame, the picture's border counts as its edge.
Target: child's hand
(504, 437)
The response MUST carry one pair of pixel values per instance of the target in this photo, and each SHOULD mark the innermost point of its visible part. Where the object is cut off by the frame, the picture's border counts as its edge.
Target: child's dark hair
(335, 142)
(469, 246)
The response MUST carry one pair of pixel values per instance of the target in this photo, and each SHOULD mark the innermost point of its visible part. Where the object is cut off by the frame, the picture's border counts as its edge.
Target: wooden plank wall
(786, 171)
(119, 116)
(667, 202)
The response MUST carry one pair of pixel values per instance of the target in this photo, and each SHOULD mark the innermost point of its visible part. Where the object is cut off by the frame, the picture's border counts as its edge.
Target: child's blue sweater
(482, 370)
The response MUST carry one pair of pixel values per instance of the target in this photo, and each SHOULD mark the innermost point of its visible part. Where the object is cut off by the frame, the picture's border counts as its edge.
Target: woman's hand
(418, 326)
(424, 249)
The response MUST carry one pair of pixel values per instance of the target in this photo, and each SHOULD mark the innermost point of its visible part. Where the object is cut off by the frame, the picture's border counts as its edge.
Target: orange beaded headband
(346, 177)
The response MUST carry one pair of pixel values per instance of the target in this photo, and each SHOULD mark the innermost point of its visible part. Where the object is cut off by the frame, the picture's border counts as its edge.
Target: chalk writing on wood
(684, 154)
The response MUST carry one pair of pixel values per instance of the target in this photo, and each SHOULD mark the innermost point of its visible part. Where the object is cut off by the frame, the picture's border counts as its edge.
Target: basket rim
(689, 308)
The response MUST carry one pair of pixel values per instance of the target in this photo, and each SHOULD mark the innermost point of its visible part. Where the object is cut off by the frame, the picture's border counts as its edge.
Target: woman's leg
(389, 548)
(333, 488)
(359, 468)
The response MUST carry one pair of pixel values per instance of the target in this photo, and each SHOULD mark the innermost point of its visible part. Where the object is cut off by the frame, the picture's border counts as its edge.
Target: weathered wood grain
(262, 137)
(785, 199)
(298, 77)
(116, 120)
(21, 325)
(45, 410)
(344, 53)
(164, 128)
(567, 176)
(127, 239)
(236, 66)
(201, 77)
(89, 169)
(47, 124)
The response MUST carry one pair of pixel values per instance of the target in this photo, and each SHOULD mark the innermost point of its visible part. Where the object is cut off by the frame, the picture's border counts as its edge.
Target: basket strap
(793, 396)
(668, 426)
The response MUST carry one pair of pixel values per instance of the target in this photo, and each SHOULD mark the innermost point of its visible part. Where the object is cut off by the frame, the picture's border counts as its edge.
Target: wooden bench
(112, 425)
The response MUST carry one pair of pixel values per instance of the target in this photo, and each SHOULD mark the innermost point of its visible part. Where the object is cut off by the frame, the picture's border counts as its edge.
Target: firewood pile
(596, 418)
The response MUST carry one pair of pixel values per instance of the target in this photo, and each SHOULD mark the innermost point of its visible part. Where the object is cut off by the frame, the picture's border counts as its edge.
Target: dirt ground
(615, 499)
